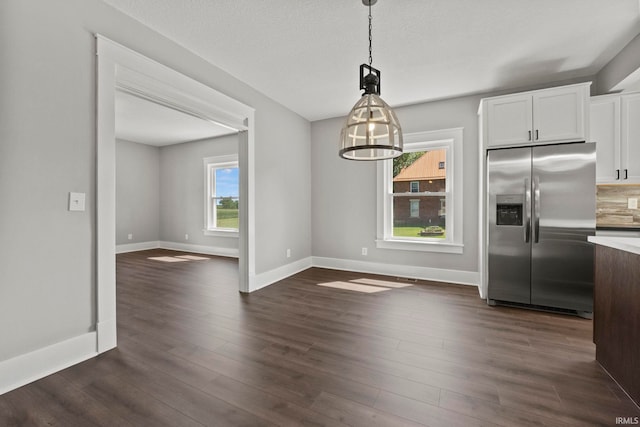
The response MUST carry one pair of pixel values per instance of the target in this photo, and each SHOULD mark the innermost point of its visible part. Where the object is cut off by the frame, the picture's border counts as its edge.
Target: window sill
(221, 233)
(410, 245)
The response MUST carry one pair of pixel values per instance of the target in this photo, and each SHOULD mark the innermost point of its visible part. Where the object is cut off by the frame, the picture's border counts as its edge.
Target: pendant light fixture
(372, 130)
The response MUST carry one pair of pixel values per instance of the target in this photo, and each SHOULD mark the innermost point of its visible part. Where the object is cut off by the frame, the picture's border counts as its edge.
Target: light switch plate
(632, 203)
(76, 201)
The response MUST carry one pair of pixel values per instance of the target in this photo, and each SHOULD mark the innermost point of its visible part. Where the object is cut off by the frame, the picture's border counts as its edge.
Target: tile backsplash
(612, 203)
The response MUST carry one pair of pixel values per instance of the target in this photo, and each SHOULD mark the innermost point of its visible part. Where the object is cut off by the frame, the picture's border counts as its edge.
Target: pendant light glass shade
(371, 132)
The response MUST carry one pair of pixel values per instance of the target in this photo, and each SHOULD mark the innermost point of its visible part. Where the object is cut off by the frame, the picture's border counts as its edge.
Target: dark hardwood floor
(193, 351)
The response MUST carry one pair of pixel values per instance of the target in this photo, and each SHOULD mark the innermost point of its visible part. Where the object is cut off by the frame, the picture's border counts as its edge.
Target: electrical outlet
(76, 201)
(632, 203)
(186, 237)
(364, 251)
(130, 236)
(288, 253)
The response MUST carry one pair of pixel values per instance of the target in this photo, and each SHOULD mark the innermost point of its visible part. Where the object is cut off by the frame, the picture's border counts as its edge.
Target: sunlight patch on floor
(178, 258)
(167, 259)
(192, 257)
(383, 283)
(350, 286)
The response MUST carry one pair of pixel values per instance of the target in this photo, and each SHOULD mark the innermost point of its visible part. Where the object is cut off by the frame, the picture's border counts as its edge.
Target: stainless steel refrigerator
(541, 208)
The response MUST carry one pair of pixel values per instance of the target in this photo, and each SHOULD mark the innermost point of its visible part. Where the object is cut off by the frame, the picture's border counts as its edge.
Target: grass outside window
(415, 232)
(227, 218)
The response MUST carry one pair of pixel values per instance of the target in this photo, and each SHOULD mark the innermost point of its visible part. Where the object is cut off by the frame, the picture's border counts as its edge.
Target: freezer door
(564, 207)
(509, 222)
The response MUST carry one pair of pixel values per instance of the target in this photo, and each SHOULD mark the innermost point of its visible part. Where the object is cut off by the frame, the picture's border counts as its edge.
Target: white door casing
(120, 67)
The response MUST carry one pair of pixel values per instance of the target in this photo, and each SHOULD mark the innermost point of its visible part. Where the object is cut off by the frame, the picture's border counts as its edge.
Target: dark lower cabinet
(616, 316)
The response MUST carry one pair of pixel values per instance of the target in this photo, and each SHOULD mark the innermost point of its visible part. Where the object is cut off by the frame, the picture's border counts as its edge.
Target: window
(221, 195)
(414, 208)
(414, 191)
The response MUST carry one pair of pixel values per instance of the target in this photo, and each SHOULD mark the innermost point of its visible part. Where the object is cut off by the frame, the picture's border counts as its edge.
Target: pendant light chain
(370, 37)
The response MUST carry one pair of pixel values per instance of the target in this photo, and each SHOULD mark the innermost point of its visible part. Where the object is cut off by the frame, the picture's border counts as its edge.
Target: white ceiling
(305, 54)
(142, 121)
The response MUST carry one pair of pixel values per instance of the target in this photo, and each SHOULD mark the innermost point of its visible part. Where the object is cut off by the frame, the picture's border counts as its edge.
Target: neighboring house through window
(420, 194)
(221, 195)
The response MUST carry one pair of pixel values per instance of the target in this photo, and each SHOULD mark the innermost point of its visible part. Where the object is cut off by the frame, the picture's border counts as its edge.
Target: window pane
(420, 171)
(227, 213)
(227, 182)
(419, 217)
(227, 189)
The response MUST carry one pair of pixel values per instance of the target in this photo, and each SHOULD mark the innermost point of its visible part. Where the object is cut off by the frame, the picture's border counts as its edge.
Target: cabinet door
(509, 120)
(559, 115)
(630, 139)
(605, 132)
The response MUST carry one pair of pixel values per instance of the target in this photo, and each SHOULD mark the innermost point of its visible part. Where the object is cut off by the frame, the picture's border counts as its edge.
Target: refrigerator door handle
(536, 210)
(527, 210)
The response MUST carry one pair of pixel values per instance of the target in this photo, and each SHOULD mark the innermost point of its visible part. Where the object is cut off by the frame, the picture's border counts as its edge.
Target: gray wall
(182, 191)
(137, 192)
(620, 67)
(283, 192)
(160, 191)
(344, 192)
(47, 77)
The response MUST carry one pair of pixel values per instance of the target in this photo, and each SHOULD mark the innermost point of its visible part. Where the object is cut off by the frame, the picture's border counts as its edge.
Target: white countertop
(629, 244)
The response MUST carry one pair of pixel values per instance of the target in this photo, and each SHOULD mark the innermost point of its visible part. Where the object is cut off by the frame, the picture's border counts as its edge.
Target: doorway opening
(121, 69)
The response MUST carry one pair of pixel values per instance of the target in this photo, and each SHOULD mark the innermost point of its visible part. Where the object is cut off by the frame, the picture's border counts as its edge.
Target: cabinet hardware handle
(617, 173)
(529, 135)
(626, 174)
(537, 135)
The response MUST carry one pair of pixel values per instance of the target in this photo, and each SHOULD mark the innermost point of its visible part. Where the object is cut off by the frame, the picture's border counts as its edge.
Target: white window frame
(411, 186)
(451, 140)
(211, 164)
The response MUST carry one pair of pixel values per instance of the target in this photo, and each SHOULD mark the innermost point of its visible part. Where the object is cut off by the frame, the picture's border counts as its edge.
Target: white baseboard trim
(200, 249)
(175, 246)
(408, 271)
(267, 278)
(26, 368)
(107, 335)
(134, 247)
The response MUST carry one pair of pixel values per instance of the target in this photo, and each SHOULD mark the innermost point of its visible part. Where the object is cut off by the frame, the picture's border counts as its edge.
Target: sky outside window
(227, 182)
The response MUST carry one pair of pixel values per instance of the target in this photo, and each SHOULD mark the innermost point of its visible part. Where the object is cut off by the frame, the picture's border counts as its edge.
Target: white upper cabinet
(605, 132)
(615, 128)
(559, 114)
(630, 139)
(550, 115)
(510, 120)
